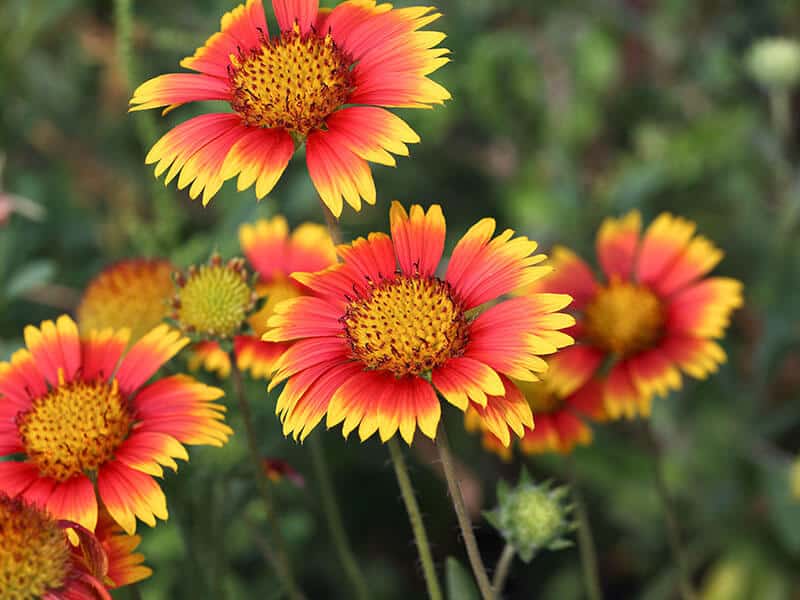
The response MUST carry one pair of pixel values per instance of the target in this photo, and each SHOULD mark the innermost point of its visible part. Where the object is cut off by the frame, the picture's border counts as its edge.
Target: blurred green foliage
(562, 113)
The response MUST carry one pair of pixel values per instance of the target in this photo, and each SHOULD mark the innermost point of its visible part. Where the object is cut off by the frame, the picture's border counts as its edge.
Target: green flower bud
(775, 62)
(532, 516)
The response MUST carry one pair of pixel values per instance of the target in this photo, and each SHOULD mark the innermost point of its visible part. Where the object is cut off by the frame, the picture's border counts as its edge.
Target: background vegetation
(563, 112)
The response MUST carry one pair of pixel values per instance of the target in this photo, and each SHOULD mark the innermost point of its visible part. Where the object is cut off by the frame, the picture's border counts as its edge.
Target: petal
(20, 380)
(572, 367)
(571, 275)
(571, 431)
(183, 408)
(664, 240)
(128, 494)
(704, 309)
(148, 451)
(74, 500)
(588, 400)
(55, 348)
(370, 260)
(653, 373)
(256, 357)
(147, 356)
(240, 29)
(307, 353)
(617, 241)
(371, 133)
(378, 401)
(699, 258)
(304, 317)
(175, 89)
(300, 12)
(511, 336)
(418, 238)
(461, 380)
(481, 270)
(209, 356)
(307, 397)
(259, 156)
(16, 477)
(542, 438)
(621, 396)
(695, 356)
(196, 149)
(337, 172)
(102, 352)
(505, 413)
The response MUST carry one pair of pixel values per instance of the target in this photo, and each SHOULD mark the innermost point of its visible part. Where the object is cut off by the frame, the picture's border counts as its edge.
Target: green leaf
(32, 275)
(460, 585)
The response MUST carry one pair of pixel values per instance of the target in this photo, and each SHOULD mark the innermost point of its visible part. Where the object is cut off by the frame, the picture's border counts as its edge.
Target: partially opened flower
(275, 254)
(124, 563)
(87, 424)
(560, 416)
(654, 315)
(37, 559)
(381, 332)
(322, 78)
(132, 294)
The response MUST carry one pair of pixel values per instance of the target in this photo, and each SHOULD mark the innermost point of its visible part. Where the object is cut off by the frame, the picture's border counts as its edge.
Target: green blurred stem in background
(585, 538)
(279, 555)
(475, 560)
(502, 569)
(415, 517)
(167, 216)
(333, 516)
(671, 520)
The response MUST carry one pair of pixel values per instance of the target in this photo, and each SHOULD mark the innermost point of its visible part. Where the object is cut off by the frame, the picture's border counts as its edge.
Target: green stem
(475, 560)
(333, 515)
(279, 555)
(503, 568)
(415, 518)
(585, 538)
(673, 528)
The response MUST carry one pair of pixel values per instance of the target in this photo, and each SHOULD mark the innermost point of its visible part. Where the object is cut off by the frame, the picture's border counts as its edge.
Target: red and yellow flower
(323, 78)
(653, 315)
(561, 419)
(275, 254)
(88, 424)
(131, 294)
(380, 333)
(124, 563)
(37, 559)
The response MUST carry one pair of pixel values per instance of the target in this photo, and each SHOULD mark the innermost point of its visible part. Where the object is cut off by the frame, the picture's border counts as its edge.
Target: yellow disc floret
(624, 318)
(292, 82)
(74, 428)
(407, 325)
(214, 299)
(34, 555)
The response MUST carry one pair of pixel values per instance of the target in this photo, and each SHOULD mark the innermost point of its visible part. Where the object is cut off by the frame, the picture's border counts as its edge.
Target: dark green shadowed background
(562, 113)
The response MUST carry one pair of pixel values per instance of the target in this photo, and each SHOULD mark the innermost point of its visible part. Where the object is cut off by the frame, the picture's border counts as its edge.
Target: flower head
(532, 517)
(83, 417)
(131, 294)
(275, 254)
(775, 62)
(560, 417)
(321, 78)
(124, 563)
(653, 316)
(380, 333)
(214, 299)
(38, 561)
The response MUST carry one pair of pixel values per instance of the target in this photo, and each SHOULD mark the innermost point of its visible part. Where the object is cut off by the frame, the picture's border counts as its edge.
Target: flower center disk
(624, 318)
(292, 82)
(74, 428)
(214, 300)
(406, 325)
(34, 556)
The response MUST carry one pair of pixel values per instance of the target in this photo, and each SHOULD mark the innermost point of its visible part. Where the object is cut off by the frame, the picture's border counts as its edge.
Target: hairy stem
(475, 560)
(333, 516)
(415, 518)
(279, 556)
